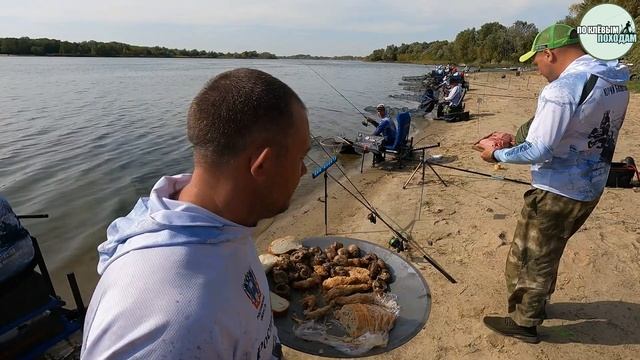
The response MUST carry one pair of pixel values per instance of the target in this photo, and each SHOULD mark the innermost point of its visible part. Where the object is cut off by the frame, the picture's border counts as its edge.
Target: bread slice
(267, 261)
(279, 305)
(283, 245)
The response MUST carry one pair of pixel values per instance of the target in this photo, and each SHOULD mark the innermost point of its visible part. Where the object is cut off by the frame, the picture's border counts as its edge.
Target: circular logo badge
(607, 32)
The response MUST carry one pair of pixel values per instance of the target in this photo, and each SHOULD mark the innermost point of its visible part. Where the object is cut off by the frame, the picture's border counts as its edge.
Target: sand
(467, 227)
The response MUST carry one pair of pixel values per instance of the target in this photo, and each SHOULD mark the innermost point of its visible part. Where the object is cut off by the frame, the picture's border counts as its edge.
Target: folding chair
(403, 145)
(32, 317)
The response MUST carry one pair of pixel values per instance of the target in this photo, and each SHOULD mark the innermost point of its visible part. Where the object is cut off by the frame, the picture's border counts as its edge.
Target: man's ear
(550, 56)
(261, 161)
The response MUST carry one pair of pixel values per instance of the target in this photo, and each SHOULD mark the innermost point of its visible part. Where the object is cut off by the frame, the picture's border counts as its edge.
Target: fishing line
(495, 177)
(400, 235)
(346, 177)
(336, 90)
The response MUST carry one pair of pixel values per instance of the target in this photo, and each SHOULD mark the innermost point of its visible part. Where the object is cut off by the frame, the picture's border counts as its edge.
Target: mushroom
(341, 260)
(374, 270)
(297, 256)
(379, 286)
(357, 262)
(331, 253)
(354, 250)
(385, 276)
(343, 251)
(283, 264)
(303, 270)
(370, 257)
(280, 276)
(315, 250)
(282, 290)
(293, 276)
(320, 259)
(339, 271)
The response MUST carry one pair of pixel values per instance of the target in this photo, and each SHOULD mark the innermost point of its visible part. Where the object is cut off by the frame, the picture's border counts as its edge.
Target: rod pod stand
(323, 170)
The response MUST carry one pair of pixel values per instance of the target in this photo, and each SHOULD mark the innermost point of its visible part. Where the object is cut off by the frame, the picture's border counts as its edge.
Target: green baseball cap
(555, 36)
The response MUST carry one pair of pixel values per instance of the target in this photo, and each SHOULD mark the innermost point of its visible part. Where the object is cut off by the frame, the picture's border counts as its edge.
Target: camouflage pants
(546, 223)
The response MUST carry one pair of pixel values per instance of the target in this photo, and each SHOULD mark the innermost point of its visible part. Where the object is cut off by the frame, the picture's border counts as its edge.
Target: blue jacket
(388, 130)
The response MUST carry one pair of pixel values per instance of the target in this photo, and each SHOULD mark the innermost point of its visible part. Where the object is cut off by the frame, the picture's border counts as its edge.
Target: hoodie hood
(158, 221)
(611, 71)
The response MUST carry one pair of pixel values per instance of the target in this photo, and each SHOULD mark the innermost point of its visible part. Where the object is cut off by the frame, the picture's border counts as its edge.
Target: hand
(487, 155)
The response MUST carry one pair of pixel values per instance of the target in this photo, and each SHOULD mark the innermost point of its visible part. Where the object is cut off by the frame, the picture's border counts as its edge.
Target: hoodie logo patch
(252, 289)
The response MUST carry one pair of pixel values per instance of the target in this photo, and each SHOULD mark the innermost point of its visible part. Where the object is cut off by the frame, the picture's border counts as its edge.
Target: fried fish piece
(356, 276)
(344, 290)
(318, 313)
(314, 280)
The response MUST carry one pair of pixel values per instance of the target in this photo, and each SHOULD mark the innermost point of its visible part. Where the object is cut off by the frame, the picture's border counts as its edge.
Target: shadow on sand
(600, 323)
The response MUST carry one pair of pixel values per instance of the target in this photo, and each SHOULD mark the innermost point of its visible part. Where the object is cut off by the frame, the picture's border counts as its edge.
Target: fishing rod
(368, 205)
(397, 233)
(507, 96)
(33, 216)
(374, 212)
(495, 177)
(336, 90)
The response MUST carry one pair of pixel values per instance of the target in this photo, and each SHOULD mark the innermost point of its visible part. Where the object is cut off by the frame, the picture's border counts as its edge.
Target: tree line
(52, 47)
(577, 11)
(494, 43)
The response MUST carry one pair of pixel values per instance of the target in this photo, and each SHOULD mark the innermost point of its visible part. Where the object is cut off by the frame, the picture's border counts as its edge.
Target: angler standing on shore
(569, 169)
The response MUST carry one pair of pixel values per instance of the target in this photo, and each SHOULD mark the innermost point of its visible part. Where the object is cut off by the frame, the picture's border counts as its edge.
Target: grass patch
(634, 86)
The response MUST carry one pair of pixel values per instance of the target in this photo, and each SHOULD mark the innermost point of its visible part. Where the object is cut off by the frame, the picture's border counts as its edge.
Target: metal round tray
(414, 299)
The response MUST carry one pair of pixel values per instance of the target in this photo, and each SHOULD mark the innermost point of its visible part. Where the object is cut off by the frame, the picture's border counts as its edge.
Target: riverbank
(467, 226)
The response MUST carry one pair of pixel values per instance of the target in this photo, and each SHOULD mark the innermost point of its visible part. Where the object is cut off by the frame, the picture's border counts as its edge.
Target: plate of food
(343, 297)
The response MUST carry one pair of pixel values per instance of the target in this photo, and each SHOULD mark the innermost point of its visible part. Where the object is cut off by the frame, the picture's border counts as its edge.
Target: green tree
(9, 46)
(390, 53)
(465, 45)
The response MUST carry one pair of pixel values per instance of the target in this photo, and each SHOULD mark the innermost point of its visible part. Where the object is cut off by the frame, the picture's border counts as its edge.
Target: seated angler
(385, 128)
(454, 98)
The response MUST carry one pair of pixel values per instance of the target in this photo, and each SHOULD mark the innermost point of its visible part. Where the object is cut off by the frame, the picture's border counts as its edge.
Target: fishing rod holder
(422, 165)
(322, 170)
(402, 241)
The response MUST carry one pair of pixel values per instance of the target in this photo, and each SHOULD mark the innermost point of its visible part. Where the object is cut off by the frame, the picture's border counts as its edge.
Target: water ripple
(82, 139)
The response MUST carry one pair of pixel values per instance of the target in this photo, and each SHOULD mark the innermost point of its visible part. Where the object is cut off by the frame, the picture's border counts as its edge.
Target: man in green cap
(569, 145)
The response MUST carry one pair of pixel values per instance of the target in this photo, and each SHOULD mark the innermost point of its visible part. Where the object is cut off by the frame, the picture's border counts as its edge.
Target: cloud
(318, 27)
(379, 16)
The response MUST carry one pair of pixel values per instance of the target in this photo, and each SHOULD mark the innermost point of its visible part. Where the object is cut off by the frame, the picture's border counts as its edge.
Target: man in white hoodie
(570, 145)
(180, 275)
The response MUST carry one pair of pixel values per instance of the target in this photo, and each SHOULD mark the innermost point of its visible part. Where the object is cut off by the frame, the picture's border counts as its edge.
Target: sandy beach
(467, 227)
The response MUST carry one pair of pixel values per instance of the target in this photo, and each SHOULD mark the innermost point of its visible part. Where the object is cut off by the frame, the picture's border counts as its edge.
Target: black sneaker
(507, 327)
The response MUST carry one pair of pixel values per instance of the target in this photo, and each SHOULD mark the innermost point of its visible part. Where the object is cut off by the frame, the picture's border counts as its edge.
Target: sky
(282, 27)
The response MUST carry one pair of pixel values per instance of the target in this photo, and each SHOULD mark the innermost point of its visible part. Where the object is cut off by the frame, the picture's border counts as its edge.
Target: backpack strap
(523, 130)
(588, 87)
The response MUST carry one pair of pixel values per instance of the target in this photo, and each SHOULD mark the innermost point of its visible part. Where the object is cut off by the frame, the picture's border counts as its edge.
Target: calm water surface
(82, 138)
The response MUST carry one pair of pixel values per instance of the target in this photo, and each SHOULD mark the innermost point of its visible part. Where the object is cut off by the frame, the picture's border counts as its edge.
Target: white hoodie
(179, 282)
(571, 147)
